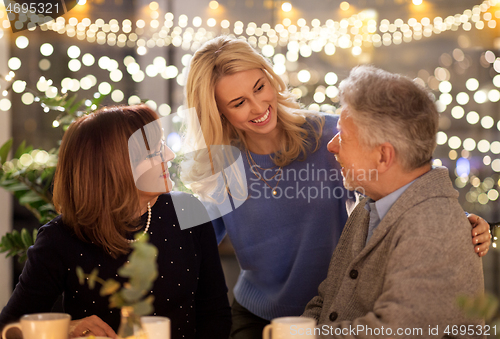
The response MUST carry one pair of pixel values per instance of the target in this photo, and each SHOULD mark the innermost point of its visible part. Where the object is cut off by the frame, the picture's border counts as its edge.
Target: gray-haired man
(404, 256)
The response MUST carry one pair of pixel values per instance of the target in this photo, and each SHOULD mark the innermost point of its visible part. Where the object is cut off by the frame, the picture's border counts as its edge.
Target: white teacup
(42, 326)
(290, 328)
(156, 327)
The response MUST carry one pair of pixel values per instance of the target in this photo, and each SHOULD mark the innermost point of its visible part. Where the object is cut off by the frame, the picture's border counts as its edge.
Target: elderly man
(404, 256)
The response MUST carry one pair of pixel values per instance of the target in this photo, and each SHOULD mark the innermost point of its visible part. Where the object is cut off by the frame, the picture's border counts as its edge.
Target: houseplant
(141, 270)
(28, 174)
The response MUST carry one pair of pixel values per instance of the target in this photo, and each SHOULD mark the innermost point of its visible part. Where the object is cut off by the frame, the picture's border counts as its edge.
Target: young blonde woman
(285, 232)
(102, 210)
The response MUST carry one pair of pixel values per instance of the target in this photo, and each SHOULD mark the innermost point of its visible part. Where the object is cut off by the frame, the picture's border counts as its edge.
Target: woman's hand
(480, 234)
(92, 325)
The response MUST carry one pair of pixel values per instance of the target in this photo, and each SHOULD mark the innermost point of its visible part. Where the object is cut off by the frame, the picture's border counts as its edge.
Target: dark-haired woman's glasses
(161, 152)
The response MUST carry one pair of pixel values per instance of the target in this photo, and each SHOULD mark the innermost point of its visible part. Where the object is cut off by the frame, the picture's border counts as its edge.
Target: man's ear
(386, 157)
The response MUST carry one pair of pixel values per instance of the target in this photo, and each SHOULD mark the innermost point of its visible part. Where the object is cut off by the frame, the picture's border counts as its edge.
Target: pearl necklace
(130, 241)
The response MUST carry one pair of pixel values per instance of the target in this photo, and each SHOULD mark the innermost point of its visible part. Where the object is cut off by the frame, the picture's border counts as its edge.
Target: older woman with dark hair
(101, 212)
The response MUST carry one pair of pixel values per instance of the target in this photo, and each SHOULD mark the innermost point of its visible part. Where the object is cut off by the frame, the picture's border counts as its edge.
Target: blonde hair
(225, 56)
(392, 108)
(94, 187)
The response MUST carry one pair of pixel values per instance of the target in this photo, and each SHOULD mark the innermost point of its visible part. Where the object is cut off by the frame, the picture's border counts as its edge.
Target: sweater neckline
(263, 160)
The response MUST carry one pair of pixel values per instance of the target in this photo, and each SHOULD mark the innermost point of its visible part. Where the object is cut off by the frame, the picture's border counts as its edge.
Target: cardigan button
(353, 274)
(333, 316)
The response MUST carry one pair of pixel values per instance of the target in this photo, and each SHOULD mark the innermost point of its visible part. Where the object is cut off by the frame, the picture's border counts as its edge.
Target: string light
(343, 33)
(286, 7)
(213, 5)
(356, 34)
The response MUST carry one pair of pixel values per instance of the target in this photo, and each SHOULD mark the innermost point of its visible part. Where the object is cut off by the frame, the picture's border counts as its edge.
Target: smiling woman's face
(249, 102)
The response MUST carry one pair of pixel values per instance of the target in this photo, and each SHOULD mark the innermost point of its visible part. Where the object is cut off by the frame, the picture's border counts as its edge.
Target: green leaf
(68, 119)
(70, 101)
(47, 173)
(116, 300)
(30, 197)
(132, 295)
(6, 240)
(55, 103)
(92, 278)
(16, 187)
(26, 238)
(80, 274)
(35, 233)
(45, 217)
(46, 207)
(7, 182)
(4, 150)
(482, 306)
(75, 107)
(110, 286)
(6, 244)
(20, 150)
(15, 237)
(97, 101)
(145, 306)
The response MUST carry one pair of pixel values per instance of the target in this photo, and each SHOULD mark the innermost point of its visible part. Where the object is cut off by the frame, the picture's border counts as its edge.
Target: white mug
(156, 327)
(42, 326)
(290, 328)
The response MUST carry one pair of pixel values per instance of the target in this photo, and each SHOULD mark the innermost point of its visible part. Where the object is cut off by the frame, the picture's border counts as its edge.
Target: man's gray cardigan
(410, 273)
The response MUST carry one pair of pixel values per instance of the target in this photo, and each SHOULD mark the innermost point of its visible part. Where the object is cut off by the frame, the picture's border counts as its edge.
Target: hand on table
(480, 234)
(92, 325)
